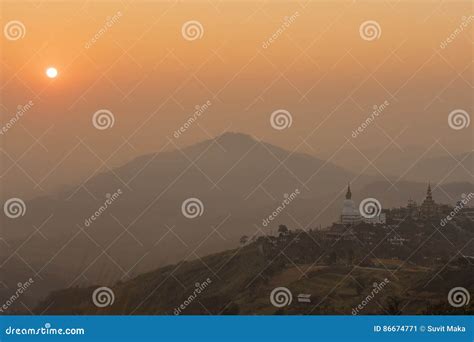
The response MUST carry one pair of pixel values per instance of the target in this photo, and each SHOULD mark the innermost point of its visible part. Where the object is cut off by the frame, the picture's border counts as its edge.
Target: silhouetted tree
(282, 229)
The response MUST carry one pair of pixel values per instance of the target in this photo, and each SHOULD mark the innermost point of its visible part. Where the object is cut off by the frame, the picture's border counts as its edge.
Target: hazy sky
(141, 68)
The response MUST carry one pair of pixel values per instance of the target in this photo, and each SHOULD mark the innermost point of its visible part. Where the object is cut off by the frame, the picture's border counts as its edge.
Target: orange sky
(150, 78)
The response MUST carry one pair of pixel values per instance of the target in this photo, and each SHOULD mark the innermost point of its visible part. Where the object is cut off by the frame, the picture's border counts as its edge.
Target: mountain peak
(230, 141)
(234, 137)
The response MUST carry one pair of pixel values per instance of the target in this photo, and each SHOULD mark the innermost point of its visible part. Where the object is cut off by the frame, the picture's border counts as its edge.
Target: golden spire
(348, 193)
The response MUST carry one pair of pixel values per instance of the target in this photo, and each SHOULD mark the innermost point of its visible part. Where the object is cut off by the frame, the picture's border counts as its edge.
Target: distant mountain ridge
(415, 164)
(239, 180)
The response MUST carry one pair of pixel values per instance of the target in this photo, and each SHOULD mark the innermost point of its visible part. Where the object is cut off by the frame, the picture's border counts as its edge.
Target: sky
(133, 61)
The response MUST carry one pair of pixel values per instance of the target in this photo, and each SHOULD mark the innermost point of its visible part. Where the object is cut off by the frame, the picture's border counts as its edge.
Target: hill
(338, 275)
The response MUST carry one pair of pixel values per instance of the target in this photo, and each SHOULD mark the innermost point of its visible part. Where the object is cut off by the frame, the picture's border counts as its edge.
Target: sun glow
(51, 72)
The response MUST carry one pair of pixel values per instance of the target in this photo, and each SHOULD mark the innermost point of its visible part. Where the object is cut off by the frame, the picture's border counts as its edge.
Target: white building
(350, 215)
(379, 219)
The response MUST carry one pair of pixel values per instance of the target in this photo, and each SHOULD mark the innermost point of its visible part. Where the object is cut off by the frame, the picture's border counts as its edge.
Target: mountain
(413, 163)
(70, 238)
(239, 180)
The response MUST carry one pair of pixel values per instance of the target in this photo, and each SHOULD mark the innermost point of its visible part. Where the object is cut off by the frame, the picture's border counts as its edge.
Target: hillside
(338, 276)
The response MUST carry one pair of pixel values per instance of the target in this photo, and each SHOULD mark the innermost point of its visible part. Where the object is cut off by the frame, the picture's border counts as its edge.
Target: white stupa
(350, 214)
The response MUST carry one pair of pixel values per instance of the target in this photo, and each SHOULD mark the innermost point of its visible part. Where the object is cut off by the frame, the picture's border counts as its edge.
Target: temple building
(428, 208)
(350, 214)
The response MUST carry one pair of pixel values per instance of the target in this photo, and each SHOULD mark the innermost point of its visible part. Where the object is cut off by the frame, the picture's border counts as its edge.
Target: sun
(52, 72)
